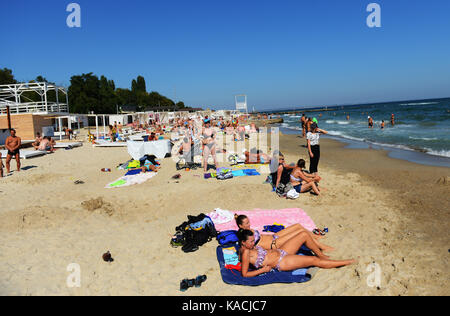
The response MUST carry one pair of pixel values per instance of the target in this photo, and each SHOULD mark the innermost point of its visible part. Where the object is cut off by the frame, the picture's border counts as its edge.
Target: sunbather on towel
(278, 240)
(256, 156)
(149, 166)
(282, 259)
(303, 182)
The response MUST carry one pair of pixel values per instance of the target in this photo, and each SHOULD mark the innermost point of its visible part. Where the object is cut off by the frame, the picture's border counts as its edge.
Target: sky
(281, 54)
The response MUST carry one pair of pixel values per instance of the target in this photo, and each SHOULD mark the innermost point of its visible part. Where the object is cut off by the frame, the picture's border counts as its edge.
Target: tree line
(88, 93)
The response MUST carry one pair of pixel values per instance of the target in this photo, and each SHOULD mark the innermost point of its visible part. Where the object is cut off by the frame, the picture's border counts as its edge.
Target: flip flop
(318, 232)
(199, 280)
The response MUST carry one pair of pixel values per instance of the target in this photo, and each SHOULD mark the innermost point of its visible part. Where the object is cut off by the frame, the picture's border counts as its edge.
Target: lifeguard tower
(241, 102)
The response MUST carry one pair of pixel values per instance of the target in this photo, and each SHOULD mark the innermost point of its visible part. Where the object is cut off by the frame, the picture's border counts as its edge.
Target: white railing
(33, 107)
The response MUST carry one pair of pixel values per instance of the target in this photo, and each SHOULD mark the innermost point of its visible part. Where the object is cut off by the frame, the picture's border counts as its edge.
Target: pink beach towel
(260, 218)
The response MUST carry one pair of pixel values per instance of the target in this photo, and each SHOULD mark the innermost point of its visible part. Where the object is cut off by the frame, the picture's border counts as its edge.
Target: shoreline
(404, 154)
(378, 209)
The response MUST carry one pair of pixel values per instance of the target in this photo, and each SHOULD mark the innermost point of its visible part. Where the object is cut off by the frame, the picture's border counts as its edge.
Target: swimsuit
(257, 237)
(147, 165)
(13, 153)
(206, 136)
(262, 255)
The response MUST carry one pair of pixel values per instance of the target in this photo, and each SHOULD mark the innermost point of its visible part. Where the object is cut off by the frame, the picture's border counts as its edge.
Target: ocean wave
(442, 153)
(423, 138)
(337, 122)
(422, 103)
(341, 134)
(429, 151)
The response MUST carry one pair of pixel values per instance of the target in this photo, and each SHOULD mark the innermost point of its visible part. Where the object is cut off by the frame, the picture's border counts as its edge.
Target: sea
(421, 132)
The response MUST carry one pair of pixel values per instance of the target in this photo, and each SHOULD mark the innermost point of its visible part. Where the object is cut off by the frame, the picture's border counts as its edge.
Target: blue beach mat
(133, 172)
(235, 277)
(245, 172)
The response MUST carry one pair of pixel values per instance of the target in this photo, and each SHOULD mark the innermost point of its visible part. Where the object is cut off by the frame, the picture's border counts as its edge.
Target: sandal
(199, 280)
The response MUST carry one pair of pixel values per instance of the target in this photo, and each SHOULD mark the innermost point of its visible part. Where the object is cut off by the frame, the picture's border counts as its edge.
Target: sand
(378, 209)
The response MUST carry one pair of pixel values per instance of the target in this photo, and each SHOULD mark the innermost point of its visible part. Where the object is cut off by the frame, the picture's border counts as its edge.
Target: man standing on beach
(303, 121)
(13, 144)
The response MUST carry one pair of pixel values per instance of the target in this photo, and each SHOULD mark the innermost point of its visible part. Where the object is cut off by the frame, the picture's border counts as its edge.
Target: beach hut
(28, 117)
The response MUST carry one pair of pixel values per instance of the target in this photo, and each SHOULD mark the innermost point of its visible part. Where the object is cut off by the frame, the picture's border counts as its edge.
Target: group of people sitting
(281, 172)
(45, 143)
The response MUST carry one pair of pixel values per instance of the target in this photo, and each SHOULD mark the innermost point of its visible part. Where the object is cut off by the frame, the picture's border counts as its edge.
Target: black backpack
(193, 238)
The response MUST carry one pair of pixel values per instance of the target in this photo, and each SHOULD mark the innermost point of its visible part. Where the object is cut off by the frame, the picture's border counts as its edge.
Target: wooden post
(8, 115)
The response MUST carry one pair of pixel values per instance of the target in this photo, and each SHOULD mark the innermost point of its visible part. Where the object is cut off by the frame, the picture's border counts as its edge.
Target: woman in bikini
(302, 182)
(278, 240)
(209, 144)
(282, 259)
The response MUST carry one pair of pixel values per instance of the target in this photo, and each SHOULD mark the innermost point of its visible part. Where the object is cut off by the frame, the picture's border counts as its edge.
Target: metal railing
(33, 107)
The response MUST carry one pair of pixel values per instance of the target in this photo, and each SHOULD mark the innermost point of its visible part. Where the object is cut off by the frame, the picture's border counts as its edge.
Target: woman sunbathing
(149, 166)
(282, 259)
(302, 182)
(255, 156)
(278, 240)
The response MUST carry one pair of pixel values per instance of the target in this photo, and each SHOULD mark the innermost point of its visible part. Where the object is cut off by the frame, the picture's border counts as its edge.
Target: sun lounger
(68, 144)
(104, 143)
(26, 154)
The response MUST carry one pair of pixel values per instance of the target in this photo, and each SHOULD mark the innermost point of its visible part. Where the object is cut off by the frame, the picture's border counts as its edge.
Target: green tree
(6, 76)
(84, 94)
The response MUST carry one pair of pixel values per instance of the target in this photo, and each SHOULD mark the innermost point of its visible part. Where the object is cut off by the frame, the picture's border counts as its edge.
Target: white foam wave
(337, 122)
(442, 153)
(421, 103)
(423, 138)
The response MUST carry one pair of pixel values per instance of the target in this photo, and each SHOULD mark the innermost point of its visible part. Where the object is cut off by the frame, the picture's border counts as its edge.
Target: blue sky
(280, 53)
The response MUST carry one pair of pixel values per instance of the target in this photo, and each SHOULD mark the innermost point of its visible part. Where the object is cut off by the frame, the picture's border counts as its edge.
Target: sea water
(420, 127)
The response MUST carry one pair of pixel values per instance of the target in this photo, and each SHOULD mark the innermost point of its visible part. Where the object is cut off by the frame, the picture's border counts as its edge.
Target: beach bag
(225, 176)
(196, 238)
(283, 189)
(224, 173)
(198, 223)
(227, 237)
(134, 164)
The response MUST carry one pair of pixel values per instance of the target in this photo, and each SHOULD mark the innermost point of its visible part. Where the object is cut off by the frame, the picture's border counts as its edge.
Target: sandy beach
(378, 209)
